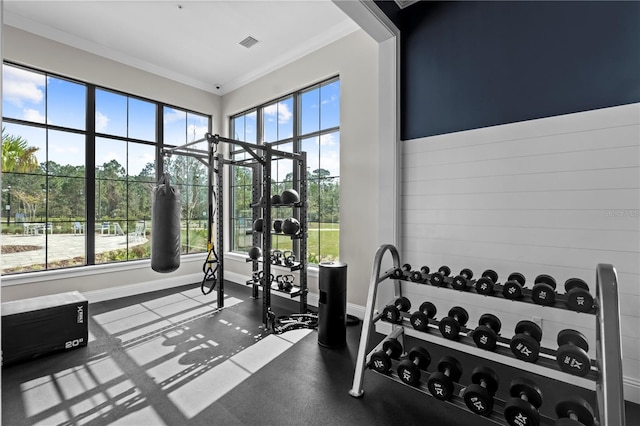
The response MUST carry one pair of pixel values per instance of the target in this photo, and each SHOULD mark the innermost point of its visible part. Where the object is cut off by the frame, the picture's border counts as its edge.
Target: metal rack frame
(608, 387)
(260, 160)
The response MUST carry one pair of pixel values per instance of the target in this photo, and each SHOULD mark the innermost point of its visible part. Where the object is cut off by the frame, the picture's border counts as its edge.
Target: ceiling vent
(248, 42)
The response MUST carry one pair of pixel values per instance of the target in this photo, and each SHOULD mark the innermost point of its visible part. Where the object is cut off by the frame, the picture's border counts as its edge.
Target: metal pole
(609, 388)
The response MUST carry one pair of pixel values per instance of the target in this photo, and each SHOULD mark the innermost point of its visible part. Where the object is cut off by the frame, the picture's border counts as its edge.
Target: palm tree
(17, 155)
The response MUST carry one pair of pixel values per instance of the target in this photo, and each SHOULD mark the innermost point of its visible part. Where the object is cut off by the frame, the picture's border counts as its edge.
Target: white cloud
(198, 131)
(20, 86)
(173, 115)
(34, 115)
(332, 98)
(102, 121)
(283, 111)
(328, 139)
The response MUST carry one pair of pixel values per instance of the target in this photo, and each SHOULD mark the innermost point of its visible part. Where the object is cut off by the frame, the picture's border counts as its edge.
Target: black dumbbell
(417, 359)
(577, 295)
(402, 273)
(440, 383)
(461, 281)
(289, 258)
(450, 326)
(512, 289)
(574, 412)
(437, 278)
(420, 319)
(421, 275)
(486, 282)
(544, 290)
(391, 313)
(572, 354)
(479, 395)
(485, 335)
(522, 408)
(525, 345)
(381, 360)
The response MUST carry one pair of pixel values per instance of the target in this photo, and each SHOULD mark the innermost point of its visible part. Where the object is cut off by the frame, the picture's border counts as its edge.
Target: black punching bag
(165, 227)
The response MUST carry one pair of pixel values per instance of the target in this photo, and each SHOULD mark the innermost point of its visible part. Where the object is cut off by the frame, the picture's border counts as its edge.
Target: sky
(33, 97)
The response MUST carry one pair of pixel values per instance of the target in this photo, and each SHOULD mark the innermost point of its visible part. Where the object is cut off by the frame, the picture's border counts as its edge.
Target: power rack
(260, 161)
(605, 376)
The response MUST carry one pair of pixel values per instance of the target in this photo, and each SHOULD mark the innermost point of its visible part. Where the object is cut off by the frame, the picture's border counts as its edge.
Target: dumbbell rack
(606, 371)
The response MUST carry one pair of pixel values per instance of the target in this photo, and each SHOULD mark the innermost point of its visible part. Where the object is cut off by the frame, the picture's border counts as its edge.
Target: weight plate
(487, 375)
(391, 314)
(422, 355)
(440, 386)
(543, 294)
(579, 407)
(518, 412)
(512, 290)
(530, 328)
(437, 279)
(409, 373)
(459, 283)
(524, 347)
(449, 328)
(485, 338)
(517, 276)
(406, 267)
(478, 400)
(491, 274)
(484, 286)
(419, 321)
(460, 314)
(467, 273)
(429, 309)
(393, 347)
(380, 362)
(451, 364)
(445, 270)
(545, 279)
(573, 337)
(579, 300)
(572, 283)
(573, 360)
(397, 274)
(522, 386)
(403, 304)
(415, 276)
(425, 269)
(491, 321)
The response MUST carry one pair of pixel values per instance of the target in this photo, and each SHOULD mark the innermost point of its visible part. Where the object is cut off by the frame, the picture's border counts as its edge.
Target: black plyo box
(41, 325)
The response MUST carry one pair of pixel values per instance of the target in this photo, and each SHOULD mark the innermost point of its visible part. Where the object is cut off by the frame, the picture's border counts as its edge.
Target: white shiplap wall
(549, 196)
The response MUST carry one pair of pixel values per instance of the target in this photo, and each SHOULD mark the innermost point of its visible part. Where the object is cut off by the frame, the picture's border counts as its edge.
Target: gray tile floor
(172, 358)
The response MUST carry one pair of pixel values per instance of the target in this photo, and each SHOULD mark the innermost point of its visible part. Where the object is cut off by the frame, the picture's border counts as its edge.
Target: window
(50, 221)
(307, 120)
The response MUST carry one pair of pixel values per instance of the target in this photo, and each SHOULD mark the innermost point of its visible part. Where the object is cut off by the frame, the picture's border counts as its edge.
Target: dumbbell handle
(573, 416)
(524, 397)
(388, 352)
(447, 372)
(456, 318)
(483, 383)
(465, 275)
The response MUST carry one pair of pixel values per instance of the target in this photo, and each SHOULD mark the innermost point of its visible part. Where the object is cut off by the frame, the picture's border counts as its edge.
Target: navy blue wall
(468, 65)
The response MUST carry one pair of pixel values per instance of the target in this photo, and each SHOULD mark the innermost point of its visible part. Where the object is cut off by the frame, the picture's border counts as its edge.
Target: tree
(17, 155)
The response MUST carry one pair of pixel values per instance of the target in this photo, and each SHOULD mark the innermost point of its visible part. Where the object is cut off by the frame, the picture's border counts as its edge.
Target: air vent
(248, 42)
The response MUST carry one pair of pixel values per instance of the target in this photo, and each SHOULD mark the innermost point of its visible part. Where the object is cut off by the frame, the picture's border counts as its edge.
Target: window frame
(296, 141)
(90, 135)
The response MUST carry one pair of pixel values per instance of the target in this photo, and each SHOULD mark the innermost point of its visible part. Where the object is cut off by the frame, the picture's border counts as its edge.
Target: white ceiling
(195, 42)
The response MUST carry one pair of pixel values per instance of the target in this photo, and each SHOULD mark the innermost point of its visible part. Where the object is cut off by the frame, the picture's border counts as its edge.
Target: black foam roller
(165, 227)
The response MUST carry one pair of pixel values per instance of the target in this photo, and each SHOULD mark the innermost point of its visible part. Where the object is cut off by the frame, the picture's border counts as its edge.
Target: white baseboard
(145, 287)
(312, 298)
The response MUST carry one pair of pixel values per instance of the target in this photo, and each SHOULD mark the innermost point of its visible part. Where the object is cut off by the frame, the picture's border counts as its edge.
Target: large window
(307, 120)
(56, 214)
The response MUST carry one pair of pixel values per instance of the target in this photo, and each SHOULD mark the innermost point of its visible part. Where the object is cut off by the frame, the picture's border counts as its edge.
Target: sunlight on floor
(159, 341)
